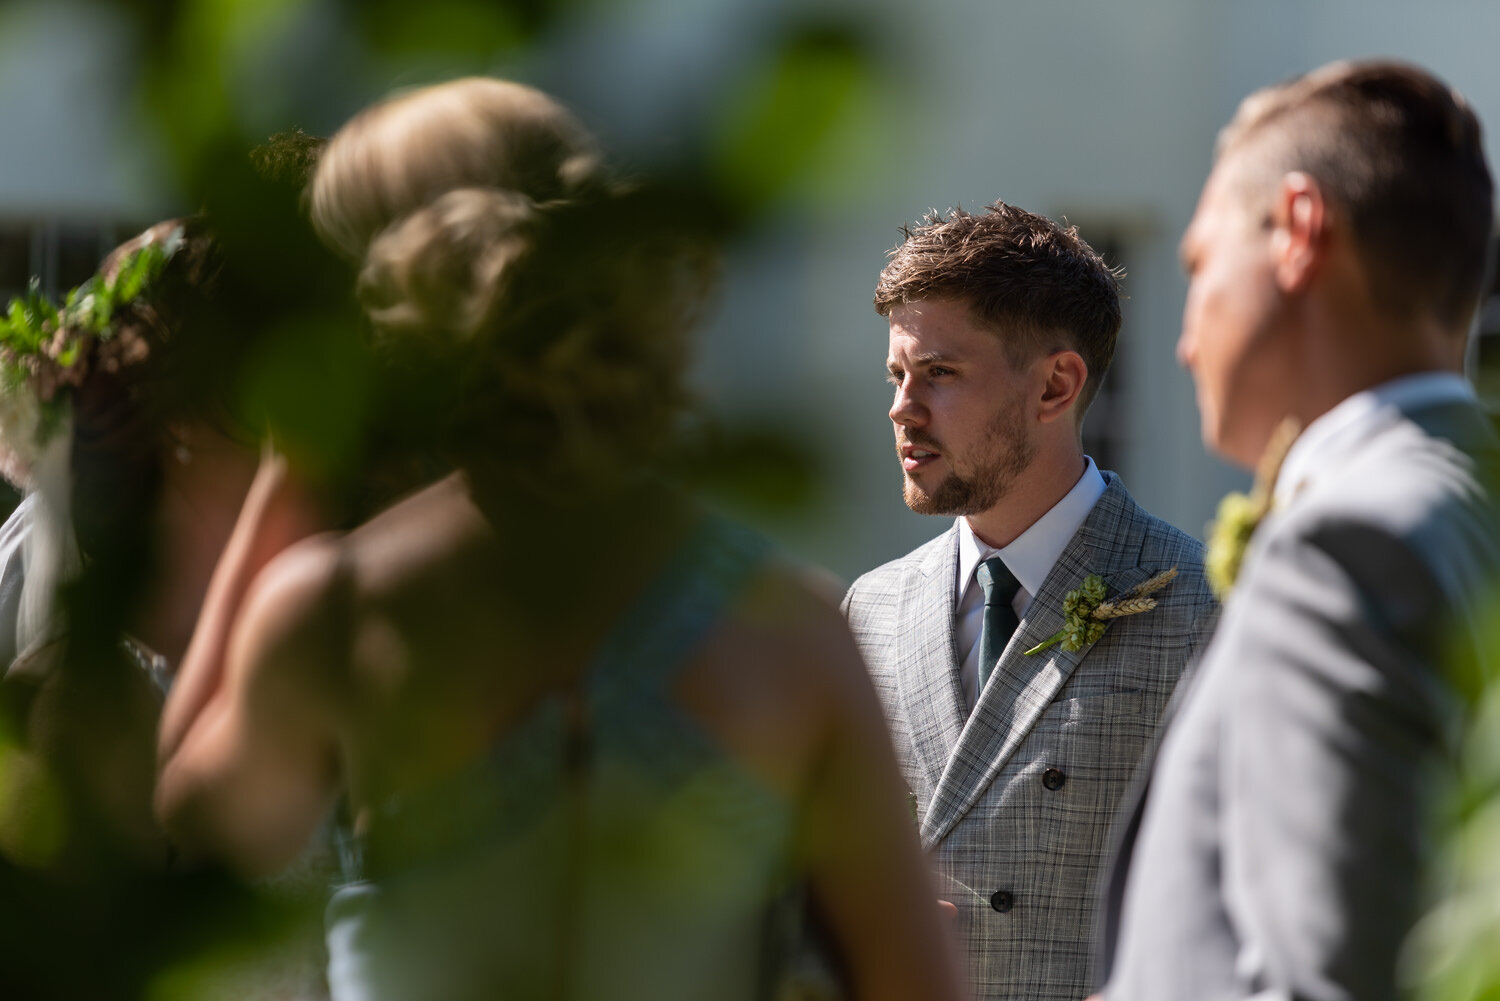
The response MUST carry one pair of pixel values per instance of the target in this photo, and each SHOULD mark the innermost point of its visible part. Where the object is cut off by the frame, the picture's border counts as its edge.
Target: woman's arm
(247, 745)
(868, 872)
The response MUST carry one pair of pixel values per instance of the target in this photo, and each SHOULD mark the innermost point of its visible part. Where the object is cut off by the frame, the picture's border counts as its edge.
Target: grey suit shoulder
(1280, 846)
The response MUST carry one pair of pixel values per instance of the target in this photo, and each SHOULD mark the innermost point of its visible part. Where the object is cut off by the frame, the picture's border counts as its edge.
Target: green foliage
(1453, 954)
(284, 354)
(311, 380)
(779, 123)
(755, 472)
(33, 816)
(29, 321)
(459, 30)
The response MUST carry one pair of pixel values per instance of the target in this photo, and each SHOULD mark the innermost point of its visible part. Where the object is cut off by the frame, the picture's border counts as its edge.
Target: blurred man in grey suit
(1002, 325)
(1335, 261)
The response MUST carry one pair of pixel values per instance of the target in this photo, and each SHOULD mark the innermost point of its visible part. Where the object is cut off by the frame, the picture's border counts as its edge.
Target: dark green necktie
(1000, 587)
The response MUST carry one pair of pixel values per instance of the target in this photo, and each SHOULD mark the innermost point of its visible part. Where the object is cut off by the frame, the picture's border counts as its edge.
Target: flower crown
(46, 348)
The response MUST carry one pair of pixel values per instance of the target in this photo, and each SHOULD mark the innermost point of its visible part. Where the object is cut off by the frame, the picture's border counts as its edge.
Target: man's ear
(1300, 230)
(1066, 372)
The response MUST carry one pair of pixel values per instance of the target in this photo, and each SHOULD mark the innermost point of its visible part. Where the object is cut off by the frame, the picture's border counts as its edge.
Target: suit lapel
(1108, 543)
(928, 681)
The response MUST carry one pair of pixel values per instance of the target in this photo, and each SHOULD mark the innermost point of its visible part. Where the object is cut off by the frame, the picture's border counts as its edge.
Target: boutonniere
(1239, 515)
(1087, 611)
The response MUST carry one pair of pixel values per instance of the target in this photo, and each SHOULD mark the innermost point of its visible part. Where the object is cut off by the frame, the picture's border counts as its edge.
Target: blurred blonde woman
(588, 733)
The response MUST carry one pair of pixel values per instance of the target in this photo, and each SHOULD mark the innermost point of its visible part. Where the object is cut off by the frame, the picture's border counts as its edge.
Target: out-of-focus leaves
(1453, 953)
(284, 348)
(310, 380)
(778, 128)
(759, 472)
(462, 31)
(276, 950)
(189, 81)
(33, 817)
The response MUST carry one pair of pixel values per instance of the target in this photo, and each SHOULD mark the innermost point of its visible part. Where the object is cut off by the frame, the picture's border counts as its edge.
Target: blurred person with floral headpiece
(588, 734)
(133, 473)
(129, 469)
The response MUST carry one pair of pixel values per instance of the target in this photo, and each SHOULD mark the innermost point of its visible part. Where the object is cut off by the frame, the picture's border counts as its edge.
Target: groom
(1335, 260)
(1002, 325)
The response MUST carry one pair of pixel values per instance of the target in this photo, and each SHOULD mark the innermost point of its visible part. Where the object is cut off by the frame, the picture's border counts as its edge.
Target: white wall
(69, 144)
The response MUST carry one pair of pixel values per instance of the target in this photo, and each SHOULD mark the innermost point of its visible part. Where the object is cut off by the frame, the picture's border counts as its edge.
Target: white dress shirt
(1329, 438)
(1029, 558)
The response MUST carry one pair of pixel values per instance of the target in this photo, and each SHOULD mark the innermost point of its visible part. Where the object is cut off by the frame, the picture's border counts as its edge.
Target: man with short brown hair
(1002, 324)
(1334, 261)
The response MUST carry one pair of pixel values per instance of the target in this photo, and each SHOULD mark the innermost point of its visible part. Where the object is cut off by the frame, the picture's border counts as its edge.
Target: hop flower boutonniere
(1239, 515)
(1087, 611)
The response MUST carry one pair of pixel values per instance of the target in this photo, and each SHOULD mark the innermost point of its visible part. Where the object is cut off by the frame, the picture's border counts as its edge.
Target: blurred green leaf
(756, 471)
(461, 30)
(33, 817)
(1454, 953)
(780, 124)
(310, 380)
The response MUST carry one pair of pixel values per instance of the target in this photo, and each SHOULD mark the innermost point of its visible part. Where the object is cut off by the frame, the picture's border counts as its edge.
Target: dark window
(58, 254)
(1107, 426)
(80, 248)
(15, 259)
(1487, 349)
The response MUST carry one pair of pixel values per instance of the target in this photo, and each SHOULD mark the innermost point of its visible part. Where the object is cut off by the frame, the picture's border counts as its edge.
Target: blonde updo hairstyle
(488, 236)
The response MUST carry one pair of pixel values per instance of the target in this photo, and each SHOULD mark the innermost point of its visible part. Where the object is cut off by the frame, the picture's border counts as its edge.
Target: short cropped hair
(1401, 153)
(1036, 284)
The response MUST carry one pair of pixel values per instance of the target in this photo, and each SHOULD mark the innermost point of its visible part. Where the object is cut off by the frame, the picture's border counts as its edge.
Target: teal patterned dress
(605, 848)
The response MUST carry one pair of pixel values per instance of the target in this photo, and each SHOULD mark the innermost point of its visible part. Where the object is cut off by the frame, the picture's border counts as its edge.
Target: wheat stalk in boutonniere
(1086, 610)
(1239, 515)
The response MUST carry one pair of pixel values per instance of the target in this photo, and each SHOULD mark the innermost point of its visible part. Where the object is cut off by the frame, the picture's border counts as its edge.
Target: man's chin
(1233, 449)
(917, 499)
(930, 502)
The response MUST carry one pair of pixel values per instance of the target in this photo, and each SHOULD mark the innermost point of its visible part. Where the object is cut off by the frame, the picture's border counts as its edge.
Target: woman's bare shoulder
(785, 643)
(796, 610)
(291, 602)
(433, 532)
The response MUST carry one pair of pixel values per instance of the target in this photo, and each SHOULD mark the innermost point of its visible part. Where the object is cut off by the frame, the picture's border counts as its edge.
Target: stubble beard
(1008, 452)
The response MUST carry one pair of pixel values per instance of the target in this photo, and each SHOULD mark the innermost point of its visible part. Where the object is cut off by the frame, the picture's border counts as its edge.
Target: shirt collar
(1333, 434)
(1031, 556)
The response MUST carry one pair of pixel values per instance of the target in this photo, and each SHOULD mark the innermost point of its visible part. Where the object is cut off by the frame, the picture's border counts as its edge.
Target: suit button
(1002, 900)
(1053, 779)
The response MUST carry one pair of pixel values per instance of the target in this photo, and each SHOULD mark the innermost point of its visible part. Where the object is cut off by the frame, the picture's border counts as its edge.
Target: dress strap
(654, 640)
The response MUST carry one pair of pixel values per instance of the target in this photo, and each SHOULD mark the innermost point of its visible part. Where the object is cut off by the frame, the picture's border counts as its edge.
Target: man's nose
(906, 409)
(1187, 348)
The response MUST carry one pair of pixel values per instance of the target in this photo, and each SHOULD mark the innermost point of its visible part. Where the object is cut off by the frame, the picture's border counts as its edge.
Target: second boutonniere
(1239, 515)
(1087, 610)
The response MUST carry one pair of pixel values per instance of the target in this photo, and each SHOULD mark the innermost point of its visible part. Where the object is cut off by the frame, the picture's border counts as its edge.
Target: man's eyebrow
(933, 358)
(923, 359)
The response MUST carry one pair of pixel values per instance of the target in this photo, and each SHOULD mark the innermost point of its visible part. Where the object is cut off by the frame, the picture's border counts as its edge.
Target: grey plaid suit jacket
(1016, 801)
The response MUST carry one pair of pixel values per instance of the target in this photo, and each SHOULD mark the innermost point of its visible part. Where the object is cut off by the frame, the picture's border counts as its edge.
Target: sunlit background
(830, 125)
